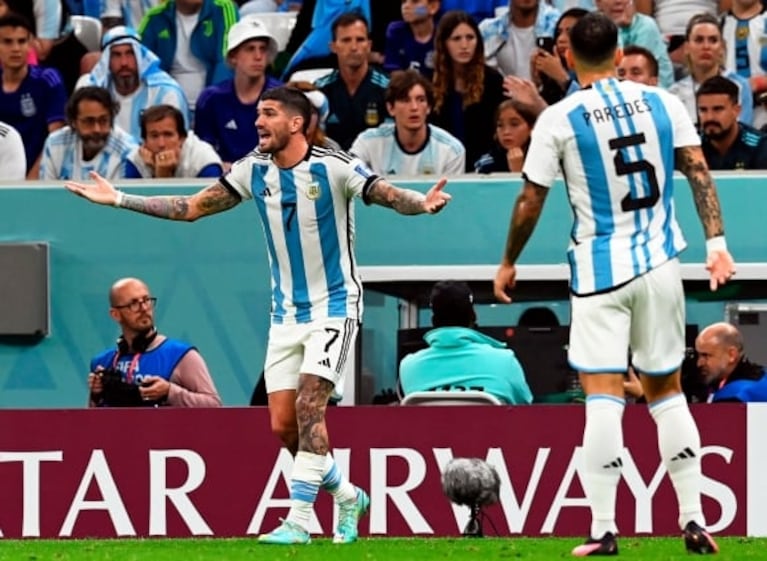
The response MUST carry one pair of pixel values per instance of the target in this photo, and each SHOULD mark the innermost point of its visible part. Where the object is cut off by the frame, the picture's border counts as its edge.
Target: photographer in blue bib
(147, 368)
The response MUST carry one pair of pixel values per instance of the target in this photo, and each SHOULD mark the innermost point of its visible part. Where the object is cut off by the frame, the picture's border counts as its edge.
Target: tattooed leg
(311, 404)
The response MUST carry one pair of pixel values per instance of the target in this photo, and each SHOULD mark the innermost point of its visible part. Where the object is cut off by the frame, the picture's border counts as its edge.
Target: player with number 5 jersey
(617, 145)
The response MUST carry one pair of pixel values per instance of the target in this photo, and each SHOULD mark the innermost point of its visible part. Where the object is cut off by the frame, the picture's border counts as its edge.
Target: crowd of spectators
(211, 60)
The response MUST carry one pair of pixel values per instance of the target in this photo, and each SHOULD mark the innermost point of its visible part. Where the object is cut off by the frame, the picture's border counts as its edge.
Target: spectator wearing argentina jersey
(355, 91)
(617, 145)
(132, 74)
(91, 142)
(13, 161)
(410, 146)
(304, 197)
(727, 144)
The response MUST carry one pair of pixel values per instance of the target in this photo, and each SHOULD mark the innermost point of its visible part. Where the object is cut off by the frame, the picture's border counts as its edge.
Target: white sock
(602, 463)
(334, 482)
(679, 446)
(304, 485)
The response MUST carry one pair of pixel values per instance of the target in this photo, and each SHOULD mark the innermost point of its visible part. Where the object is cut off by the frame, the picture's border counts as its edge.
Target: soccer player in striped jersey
(618, 143)
(303, 195)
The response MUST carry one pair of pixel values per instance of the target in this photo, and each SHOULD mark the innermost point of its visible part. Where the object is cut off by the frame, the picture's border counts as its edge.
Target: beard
(93, 144)
(276, 142)
(715, 131)
(126, 84)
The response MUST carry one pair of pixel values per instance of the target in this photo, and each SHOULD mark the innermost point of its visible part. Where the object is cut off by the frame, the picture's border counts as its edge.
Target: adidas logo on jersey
(232, 125)
(325, 362)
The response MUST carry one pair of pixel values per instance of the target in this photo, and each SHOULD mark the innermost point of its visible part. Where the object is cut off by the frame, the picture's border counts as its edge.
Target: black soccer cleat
(606, 545)
(697, 540)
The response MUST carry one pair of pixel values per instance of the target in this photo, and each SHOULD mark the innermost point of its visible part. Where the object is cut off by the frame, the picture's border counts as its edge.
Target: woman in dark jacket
(466, 90)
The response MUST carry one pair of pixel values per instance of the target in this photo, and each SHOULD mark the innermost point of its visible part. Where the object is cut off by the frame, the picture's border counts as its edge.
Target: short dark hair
(158, 113)
(629, 50)
(13, 19)
(349, 18)
(293, 100)
(718, 85)
(698, 19)
(452, 304)
(91, 93)
(594, 39)
(402, 81)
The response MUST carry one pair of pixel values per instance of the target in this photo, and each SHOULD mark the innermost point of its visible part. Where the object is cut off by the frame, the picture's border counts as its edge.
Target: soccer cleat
(287, 533)
(349, 515)
(697, 540)
(606, 545)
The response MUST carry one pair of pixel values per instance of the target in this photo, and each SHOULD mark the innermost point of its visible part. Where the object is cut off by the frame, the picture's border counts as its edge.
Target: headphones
(140, 344)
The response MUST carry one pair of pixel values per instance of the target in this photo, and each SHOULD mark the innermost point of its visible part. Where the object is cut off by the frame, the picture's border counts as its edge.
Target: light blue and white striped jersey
(379, 148)
(615, 142)
(132, 11)
(63, 156)
(47, 18)
(746, 40)
(307, 213)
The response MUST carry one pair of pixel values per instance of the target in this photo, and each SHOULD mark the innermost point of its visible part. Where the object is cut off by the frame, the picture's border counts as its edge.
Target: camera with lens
(693, 385)
(119, 393)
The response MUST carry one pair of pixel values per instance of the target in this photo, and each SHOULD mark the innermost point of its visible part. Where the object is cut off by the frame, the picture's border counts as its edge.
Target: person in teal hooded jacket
(460, 357)
(206, 34)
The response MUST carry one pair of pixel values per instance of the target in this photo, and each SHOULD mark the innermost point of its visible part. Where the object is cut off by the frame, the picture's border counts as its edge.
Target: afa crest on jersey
(313, 191)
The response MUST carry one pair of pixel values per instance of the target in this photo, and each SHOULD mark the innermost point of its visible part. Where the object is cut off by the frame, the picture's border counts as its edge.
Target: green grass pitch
(367, 549)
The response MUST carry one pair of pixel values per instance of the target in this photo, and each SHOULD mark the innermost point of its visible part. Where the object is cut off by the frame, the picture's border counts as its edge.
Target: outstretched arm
(527, 211)
(210, 200)
(691, 162)
(408, 201)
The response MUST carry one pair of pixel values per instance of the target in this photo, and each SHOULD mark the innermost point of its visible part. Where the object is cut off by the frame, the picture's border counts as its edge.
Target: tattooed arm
(525, 216)
(210, 200)
(527, 211)
(691, 162)
(719, 262)
(407, 201)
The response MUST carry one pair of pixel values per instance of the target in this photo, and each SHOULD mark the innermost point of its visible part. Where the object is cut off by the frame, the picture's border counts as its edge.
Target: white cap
(250, 28)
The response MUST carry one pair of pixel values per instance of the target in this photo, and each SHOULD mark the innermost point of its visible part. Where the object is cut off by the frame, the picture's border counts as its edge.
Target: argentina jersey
(63, 156)
(616, 144)
(440, 154)
(746, 41)
(307, 213)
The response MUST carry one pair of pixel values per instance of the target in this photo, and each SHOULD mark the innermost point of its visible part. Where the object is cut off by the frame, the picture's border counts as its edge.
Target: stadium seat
(447, 397)
(88, 31)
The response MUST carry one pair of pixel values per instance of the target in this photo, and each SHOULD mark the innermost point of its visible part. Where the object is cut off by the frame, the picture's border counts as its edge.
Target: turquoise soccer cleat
(349, 516)
(287, 533)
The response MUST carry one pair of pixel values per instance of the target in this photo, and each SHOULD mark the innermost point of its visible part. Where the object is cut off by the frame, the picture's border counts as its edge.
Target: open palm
(436, 198)
(101, 191)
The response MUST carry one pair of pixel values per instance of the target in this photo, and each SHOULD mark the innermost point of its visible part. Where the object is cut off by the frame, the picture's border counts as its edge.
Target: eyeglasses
(136, 305)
